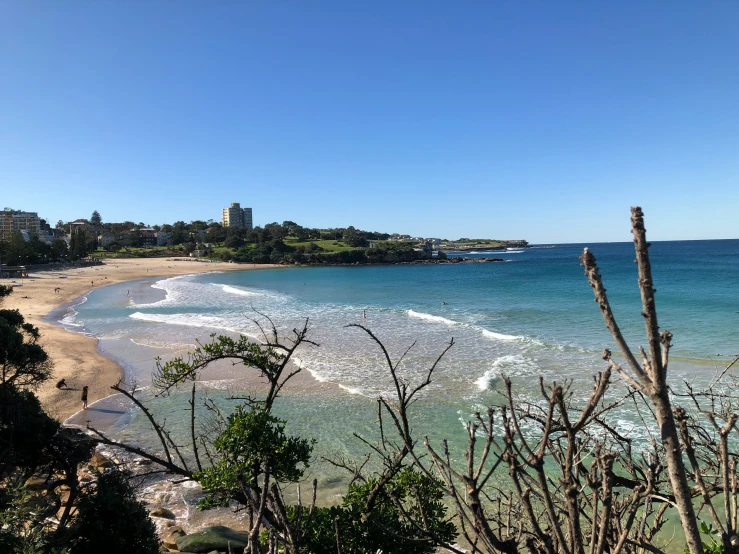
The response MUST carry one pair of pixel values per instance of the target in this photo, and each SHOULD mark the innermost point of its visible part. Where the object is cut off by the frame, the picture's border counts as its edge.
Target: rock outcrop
(211, 538)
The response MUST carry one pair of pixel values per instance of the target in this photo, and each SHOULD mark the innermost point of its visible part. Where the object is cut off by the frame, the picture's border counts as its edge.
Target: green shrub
(111, 520)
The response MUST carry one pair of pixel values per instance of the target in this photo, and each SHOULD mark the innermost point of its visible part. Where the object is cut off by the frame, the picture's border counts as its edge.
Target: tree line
(265, 244)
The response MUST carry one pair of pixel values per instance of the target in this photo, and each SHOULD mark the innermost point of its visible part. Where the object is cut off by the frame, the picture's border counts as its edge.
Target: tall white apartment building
(236, 216)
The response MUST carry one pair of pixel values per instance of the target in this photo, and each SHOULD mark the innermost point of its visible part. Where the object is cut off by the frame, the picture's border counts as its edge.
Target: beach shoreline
(76, 357)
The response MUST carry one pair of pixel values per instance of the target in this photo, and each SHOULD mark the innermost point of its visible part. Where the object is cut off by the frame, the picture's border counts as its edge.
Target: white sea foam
(352, 390)
(137, 343)
(71, 319)
(186, 319)
(485, 332)
(512, 366)
(315, 374)
(429, 317)
(498, 336)
(241, 292)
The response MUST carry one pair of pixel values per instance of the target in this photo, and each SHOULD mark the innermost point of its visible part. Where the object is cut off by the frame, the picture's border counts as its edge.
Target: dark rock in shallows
(170, 539)
(211, 538)
(163, 513)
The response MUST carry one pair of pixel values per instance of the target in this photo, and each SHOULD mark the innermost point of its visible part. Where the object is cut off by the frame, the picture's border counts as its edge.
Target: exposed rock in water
(100, 462)
(211, 538)
(162, 512)
(170, 540)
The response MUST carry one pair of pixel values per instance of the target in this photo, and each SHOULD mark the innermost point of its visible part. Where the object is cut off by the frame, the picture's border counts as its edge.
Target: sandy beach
(75, 356)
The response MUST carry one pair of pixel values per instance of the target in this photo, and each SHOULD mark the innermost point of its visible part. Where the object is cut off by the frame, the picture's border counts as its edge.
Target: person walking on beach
(364, 317)
(84, 397)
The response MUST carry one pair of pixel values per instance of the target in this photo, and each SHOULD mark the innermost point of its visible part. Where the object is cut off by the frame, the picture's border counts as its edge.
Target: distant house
(106, 239)
(202, 250)
(373, 244)
(78, 224)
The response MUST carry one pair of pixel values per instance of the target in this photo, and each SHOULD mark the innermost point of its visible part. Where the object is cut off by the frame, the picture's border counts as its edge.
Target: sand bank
(76, 358)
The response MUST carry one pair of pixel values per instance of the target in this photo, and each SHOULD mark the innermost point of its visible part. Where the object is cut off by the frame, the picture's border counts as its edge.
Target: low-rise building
(106, 239)
(201, 251)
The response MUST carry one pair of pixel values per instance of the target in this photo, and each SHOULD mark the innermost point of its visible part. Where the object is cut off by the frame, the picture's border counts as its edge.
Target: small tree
(95, 218)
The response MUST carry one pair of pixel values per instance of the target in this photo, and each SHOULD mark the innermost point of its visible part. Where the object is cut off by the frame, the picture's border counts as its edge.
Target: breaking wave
(429, 317)
(511, 366)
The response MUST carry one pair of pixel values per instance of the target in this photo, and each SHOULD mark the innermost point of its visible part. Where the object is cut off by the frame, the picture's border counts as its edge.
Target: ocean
(531, 315)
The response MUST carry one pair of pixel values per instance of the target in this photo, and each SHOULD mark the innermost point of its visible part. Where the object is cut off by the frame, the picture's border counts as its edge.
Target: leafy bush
(253, 443)
(111, 520)
(386, 528)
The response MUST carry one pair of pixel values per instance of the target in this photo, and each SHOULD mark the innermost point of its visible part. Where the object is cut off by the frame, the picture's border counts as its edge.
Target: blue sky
(499, 118)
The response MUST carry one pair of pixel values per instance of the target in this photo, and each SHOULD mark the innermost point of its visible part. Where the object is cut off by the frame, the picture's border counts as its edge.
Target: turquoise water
(530, 315)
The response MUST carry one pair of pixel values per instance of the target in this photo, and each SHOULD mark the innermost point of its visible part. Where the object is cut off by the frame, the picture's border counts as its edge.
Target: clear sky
(499, 118)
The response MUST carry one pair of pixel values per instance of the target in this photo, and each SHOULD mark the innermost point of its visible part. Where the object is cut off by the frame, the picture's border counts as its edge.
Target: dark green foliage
(95, 219)
(23, 363)
(253, 443)
(216, 234)
(80, 244)
(32, 444)
(15, 250)
(234, 241)
(58, 250)
(22, 528)
(111, 520)
(713, 545)
(25, 431)
(385, 529)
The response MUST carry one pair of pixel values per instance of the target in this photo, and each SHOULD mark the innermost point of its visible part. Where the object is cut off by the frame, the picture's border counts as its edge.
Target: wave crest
(499, 336)
(429, 317)
(240, 292)
(513, 366)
